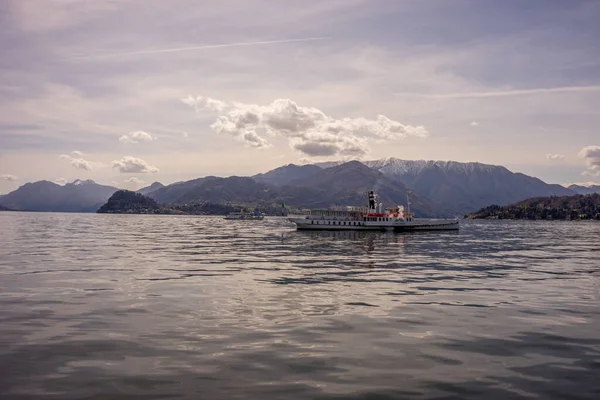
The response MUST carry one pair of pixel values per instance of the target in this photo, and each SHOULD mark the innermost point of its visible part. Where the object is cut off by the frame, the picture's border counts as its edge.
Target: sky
(128, 92)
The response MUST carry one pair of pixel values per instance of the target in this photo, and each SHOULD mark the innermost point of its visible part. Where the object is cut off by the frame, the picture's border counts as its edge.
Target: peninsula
(579, 207)
(128, 202)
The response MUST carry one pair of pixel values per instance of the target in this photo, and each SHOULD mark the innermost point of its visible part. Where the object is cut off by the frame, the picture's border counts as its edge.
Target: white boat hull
(396, 226)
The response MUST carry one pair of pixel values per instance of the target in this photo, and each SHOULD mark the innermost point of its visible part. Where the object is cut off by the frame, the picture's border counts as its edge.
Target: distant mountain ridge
(149, 189)
(287, 174)
(172, 193)
(349, 183)
(346, 184)
(77, 196)
(435, 188)
(463, 187)
(580, 189)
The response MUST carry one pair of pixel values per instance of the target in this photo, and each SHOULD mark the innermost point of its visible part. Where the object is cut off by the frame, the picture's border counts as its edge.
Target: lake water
(133, 306)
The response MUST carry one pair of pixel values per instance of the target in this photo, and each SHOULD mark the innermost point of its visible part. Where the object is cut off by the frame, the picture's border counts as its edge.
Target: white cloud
(135, 181)
(60, 181)
(136, 137)
(184, 134)
(305, 161)
(591, 155)
(474, 123)
(504, 93)
(77, 153)
(201, 103)
(555, 157)
(591, 173)
(9, 177)
(309, 130)
(192, 48)
(132, 165)
(78, 163)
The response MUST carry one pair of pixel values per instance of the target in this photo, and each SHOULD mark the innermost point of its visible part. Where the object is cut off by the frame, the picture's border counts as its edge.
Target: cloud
(504, 93)
(201, 103)
(192, 48)
(77, 153)
(184, 134)
(591, 155)
(78, 163)
(309, 130)
(305, 160)
(135, 181)
(135, 137)
(9, 177)
(60, 181)
(132, 165)
(555, 157)
(474, 123)
(591, 173)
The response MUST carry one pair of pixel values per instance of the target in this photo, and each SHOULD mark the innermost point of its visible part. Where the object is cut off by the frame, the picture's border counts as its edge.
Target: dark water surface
(106, 306)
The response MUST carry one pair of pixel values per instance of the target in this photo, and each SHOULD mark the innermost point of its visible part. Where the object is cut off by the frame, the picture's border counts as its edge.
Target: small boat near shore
(245, 216)
(373, 217)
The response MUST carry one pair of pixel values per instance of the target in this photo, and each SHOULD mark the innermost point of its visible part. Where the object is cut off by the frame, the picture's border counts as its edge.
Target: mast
(407, 204)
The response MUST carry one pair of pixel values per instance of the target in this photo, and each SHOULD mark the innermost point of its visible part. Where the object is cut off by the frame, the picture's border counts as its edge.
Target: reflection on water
(107, 306)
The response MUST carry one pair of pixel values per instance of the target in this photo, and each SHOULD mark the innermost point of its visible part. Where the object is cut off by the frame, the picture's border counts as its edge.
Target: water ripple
(130, 306)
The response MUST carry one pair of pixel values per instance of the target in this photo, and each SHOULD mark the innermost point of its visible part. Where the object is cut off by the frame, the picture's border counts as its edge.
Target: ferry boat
(373, 217)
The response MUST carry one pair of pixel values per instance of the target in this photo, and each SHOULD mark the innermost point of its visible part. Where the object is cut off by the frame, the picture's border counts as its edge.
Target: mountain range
(464, 187)
(435, 188)
(152, 188)
(77, 196)
(303, 187)
(585, 189)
